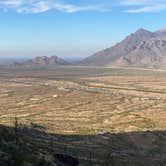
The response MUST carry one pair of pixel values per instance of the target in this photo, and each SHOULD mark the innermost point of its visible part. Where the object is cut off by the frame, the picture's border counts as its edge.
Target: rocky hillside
(43, 61)
(31, 147)
(140, 49)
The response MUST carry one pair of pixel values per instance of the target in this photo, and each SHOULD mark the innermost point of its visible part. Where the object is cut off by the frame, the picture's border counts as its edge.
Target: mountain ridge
(43, 61)
(153, 54)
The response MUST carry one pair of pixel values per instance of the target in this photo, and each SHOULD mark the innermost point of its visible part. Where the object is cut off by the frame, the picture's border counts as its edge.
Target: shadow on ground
(32, 146)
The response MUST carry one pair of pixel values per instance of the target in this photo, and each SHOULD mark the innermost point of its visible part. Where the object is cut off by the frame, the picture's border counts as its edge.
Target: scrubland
(102, 116)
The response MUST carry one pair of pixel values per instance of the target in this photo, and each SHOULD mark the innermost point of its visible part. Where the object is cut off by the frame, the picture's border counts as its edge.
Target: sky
(72, 28)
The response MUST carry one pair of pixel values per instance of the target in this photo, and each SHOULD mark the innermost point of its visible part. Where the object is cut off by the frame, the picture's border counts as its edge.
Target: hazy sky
(73, 28)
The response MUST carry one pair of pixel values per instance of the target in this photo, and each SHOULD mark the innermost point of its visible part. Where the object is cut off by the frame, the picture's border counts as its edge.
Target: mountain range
(140, 49)
(43, 61)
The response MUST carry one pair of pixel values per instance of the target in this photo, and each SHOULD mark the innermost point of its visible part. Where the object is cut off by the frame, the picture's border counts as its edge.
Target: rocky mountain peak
(142, 48)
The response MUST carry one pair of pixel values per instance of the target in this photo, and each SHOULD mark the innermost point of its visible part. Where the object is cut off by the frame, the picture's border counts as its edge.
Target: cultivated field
(99, 115)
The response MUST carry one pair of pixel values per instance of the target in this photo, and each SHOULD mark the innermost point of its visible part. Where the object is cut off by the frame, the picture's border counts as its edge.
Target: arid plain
(98, 111)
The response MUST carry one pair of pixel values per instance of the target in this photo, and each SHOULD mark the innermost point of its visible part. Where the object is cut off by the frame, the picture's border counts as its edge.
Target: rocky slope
(140, 49)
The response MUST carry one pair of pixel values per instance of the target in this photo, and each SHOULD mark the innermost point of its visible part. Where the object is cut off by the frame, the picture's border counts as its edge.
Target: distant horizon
(22, 59)
(68, 58)
(72, 29)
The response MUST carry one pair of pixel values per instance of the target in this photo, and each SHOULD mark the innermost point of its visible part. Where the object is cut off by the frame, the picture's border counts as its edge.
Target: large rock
(65, 160)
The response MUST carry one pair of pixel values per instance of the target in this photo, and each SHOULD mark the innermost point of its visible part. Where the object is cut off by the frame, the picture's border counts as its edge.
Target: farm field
(102, 116)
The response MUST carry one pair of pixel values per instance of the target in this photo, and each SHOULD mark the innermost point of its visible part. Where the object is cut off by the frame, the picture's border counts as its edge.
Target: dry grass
(111, 101)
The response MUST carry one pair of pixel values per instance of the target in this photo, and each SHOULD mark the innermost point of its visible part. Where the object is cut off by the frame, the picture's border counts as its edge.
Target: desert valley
(106, 110)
